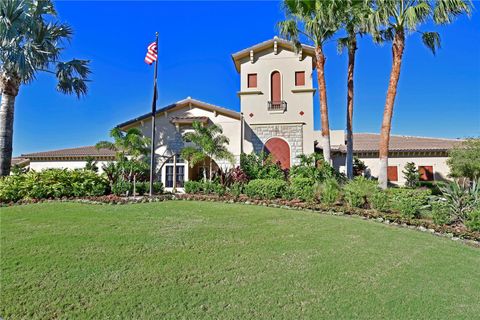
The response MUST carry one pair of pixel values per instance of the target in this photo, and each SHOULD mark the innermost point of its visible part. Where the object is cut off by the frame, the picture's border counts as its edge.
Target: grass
(197, 260)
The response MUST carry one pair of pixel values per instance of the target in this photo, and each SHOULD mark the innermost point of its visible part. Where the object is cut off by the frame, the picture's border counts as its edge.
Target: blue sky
(438, 95)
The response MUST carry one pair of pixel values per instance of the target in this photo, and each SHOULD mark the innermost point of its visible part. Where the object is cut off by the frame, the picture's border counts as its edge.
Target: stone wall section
(292, 133)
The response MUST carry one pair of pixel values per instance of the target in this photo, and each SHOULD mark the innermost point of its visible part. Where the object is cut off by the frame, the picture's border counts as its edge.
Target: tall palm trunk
(7, 108)
(322, 86)
(351, 66)
(397, 54)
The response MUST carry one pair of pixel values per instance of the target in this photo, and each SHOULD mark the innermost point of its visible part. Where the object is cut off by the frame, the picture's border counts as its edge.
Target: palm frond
(431, 41)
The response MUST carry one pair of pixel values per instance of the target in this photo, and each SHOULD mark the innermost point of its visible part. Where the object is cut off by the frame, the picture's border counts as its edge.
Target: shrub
(328, 191)
(52, 183)
(193, 187)
(409, 202)
(122, 187)
(464, 160)
(411, 175)
(266, 188)
(207, 187)
(473, 221)
(315, 168)
(440, 212)
(461, 199)
(157, 187)
(379, 200)
(301, 188)
(260, 166)
(359, 191)
(142, 187)
(236, 189)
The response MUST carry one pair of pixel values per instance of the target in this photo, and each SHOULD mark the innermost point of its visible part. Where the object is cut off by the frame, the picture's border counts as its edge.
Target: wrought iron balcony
(280, 106)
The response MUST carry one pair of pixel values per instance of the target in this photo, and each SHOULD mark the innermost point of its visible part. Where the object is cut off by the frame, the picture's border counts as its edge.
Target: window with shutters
(300, 78)
(252, 80)
(426, 173)
(392, 173)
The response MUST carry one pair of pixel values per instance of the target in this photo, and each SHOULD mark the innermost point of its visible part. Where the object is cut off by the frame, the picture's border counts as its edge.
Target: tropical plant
(31, 41)
(314, 168)
(208, 143)
(356, 20)
(461, 198)
(401, 17)
(328, 191)
(91, 164)
(359, 167)
(358, 192)
(260, 166)
(464, 160)
(131, 149)
(409, 202)
(316, 21)
(411, 175)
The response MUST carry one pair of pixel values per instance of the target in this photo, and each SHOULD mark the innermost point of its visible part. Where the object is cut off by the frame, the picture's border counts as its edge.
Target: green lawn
(191, 260)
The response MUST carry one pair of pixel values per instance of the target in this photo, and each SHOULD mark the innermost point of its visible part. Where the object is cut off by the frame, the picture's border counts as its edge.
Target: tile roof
(183, 103)
(80, 152)
(369, 142)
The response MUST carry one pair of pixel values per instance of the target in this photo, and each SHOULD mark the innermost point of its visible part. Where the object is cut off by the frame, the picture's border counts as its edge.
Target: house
(276, 115)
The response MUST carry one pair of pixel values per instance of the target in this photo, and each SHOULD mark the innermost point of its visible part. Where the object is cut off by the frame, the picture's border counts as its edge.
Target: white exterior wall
(168, 140)
(39, 165)
(255, 100)
(439, 164)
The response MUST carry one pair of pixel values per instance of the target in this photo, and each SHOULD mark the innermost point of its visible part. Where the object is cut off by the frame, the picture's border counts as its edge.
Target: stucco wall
(169, 140)
(440, 167)
(41, 165)
(254, 101)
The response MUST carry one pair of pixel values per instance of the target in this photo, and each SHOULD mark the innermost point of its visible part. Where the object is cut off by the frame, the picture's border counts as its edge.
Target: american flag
(151, 53)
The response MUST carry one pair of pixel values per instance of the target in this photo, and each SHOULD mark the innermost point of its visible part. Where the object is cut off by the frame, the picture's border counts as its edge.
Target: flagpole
(154, 110)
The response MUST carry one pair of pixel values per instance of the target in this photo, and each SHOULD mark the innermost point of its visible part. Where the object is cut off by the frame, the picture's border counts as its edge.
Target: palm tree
(316, 21)
(129, 143)
(30, 42)
(356, 20)
(209, 143)
(401, 17)
(131, 150)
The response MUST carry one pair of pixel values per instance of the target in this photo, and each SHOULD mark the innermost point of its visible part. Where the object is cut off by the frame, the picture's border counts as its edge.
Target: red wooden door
(279, 150)
(276, 94)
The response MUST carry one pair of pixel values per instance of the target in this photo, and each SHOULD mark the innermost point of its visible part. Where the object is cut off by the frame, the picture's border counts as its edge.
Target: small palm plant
(31, 41)
(131, 148)
(401, 17)
(208, 143)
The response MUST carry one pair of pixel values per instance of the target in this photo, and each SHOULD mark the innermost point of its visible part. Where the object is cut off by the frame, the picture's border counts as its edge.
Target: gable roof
(282, 43)
(182, 104)
(79, 153)
(369, 142)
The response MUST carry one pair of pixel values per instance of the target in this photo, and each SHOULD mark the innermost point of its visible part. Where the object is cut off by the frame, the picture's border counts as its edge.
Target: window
(300, 78)
(392, 173)
(180, 173)
(426, 173)
(252, 80)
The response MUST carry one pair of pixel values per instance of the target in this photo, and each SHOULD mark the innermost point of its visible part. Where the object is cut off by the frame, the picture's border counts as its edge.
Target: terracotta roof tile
(80, 152)
(370, 142)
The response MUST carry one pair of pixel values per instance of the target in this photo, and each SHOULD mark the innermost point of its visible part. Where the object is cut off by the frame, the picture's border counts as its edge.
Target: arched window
(275, 87)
